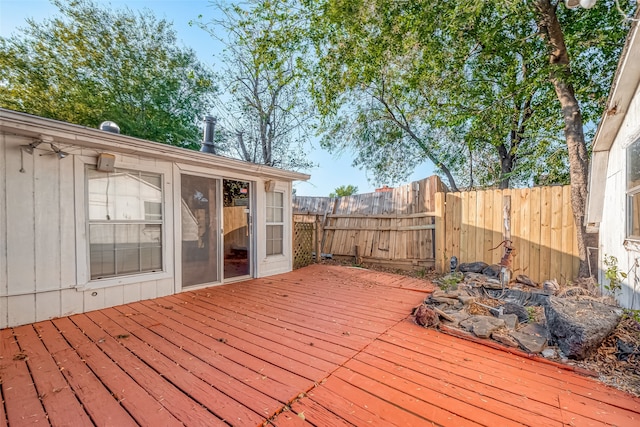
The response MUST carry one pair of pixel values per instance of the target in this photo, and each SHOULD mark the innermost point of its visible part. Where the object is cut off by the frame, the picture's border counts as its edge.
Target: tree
(93, 64)
(344, 190)
(265, 111)
(468, 85)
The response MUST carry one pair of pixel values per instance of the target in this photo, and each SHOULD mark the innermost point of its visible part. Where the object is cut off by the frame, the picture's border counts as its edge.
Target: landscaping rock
(517, 309)
(473, 267)
(510, 320)
(442, 300)
(532, 338)
(454, 294)
(457, 317)
(504, 339)
(466, 300)
(551, 287)
(426, 316)
(549, 353)
(444, 315)
(525, 280)
(492, 271)
(579, 327)
(482, 326)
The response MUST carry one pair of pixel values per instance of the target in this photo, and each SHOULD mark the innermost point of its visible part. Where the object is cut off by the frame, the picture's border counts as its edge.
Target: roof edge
(35, 126)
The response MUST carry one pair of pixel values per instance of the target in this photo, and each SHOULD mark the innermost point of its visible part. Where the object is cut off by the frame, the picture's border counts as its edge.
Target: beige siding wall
(43, 272)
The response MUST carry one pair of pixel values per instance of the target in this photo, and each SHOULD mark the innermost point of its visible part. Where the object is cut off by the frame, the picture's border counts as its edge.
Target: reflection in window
(125, 222)
(275, 223)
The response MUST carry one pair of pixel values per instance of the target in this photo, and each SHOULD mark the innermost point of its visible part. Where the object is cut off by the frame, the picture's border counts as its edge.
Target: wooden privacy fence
(470, 224)
(395, 227)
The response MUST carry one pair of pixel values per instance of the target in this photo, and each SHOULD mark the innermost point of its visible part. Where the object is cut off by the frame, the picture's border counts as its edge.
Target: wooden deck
(323, 346)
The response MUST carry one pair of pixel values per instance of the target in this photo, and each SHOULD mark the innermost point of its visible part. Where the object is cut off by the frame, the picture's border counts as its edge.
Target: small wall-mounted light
(30, 147)
(61, 154)
(106, 162)
(269, 185)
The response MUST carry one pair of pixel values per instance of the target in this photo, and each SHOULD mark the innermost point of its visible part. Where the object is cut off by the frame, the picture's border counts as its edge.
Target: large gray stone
(579, 327)
(532, 338)
(482, 326)
(472, 267)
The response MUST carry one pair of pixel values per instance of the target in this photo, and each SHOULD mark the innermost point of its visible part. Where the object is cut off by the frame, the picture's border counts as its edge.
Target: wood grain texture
(324, 345)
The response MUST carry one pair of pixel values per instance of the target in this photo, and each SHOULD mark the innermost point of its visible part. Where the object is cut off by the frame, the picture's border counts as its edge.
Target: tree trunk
(506, 166)
(573, 131)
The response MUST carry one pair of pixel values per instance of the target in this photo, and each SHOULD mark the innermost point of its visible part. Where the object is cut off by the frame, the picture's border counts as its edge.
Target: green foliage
(613, 275)
(632, 314)
(92, 63)
(464, 84)
(450, 281)
(531, 314)
(265, 114)
(344, 190)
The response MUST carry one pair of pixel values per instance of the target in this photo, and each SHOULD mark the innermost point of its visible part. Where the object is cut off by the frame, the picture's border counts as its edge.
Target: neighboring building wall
(614, 215)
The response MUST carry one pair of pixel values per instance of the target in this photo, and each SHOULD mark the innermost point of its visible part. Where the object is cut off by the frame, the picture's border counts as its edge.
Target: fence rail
(420, 225)
(395, 227)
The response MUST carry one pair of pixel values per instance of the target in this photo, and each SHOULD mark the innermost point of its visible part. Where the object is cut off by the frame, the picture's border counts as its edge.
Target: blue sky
(332, 171)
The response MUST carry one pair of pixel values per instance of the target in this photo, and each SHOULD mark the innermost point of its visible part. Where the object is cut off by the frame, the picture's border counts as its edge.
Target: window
(125, 222)
(633, 190)
(275, 223)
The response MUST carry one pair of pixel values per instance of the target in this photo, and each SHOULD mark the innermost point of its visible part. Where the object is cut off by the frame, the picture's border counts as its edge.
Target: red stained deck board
(510, 405)
(300, 328)
(22, 402)
(99, 403)
(321, 349)
(317, 305)
(362, 297)
(290, 419)
(394, 373)
(173, 399)
(356, 300)
(247, 346)
(318, 413)
(198, 348)
(482, 409)
(297, 312)
(200, 390)
(144, 408)
(304, 364)
(215, 340)
(239, 391)
(407, 406)
(583, 389)
(59, 402)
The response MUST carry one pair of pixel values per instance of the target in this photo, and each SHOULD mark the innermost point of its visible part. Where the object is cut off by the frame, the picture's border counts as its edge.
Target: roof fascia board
(37, 127)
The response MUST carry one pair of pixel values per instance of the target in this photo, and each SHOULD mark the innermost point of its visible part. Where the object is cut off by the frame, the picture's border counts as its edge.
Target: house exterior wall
(614, 216)
(44, 249)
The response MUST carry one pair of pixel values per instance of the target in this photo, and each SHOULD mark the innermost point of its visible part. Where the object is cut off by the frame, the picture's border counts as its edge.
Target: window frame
(274, 223)
(83, 269)
(631, 192)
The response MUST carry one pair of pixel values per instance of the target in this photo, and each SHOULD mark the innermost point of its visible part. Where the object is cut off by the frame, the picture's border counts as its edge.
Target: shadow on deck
(324, 346)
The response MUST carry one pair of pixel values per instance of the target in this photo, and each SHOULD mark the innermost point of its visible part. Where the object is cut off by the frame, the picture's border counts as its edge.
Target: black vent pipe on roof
(209, 131)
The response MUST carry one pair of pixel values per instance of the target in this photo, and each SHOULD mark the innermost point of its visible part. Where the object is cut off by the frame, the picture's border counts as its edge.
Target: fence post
(318, 246)
(440, 253)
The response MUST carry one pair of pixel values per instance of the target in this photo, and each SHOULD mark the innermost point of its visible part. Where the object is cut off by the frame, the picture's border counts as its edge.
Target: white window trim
(628, 195)
(281, 223)
(83, 273)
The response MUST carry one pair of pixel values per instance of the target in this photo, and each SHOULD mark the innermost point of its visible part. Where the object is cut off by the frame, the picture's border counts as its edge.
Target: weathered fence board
(395, 226)
(470, 225)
